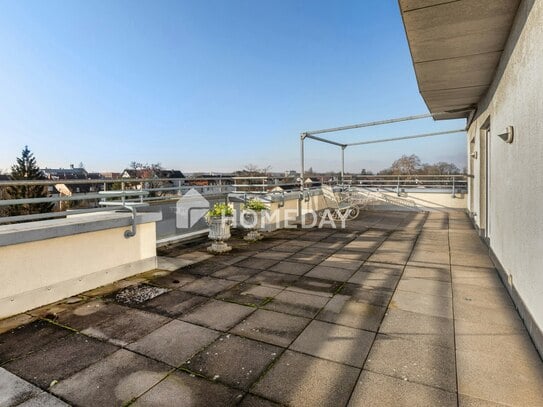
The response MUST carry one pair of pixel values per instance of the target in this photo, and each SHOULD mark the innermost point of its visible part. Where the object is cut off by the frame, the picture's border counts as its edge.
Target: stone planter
(253, 220)
(219, 231)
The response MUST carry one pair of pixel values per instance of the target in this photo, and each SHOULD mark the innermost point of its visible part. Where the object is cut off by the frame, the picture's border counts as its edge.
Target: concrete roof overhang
(456, 47)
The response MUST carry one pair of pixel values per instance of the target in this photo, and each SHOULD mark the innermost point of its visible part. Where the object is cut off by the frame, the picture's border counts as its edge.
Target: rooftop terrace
(400, 308)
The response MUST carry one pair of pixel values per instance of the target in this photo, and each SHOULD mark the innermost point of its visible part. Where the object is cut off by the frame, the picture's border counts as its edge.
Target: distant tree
(406, 165)
(310, 171)
(252, 170)
(81, 165)
(411, 165)
(26, 169)
(365, 172)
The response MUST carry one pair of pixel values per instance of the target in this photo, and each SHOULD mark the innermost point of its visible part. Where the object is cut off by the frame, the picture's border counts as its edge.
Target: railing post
(453, 186)
(398, 187)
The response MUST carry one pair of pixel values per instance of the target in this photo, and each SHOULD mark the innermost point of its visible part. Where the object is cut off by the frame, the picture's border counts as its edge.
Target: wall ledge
(72, 225)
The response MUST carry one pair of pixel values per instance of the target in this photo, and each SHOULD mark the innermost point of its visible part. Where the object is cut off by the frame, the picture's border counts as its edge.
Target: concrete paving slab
(251, 400)
(302, 380)
(75, 351)
(467, 401)
(391, 257)
(488, 317)
(308, 257)
(113, 381)
(291, 267)
(330, 273)
(14, 390)
(333, 342)
(273, 255)
(235, 273)
(193, 391)
(172, 263)
(491, 297)
(425, 286)
(256, 263)
(460, 258)
(344, 311)
(195, 256)
(342, 262)
(218, 315)
(367, 294)
(502, 380)
(208, 286)
(174, 303)
(386, 281)
(422, 303)
(435, 257)
(431, 330)
(249, 294)
(174, 280)
(484, 280)
(378, 390)
(429, 273)
(382, 268)
(495, 340)
(413, 361)
(315, 286)
(271, 327)
(29, 338)
(125, 327)
(43, 400)
(175, 342)
(322, 248)
(207, 267)
(293, 303)
(234, 361)
(273, 279)
(352, 255)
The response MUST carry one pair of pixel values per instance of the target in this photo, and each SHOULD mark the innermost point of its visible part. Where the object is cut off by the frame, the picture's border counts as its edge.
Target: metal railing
(397, 183)
(103, 194)
(411, 183)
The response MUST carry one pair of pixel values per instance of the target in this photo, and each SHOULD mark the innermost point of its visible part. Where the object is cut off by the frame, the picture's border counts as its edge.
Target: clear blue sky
(207, 84)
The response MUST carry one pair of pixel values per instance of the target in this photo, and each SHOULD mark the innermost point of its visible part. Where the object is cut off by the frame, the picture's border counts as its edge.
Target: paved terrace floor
(400, 309)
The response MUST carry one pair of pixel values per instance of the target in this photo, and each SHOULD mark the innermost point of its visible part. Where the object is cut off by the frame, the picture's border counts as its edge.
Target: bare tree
(406, 165)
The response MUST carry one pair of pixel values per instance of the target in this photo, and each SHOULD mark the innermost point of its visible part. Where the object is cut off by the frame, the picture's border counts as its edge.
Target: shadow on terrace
(400, 308)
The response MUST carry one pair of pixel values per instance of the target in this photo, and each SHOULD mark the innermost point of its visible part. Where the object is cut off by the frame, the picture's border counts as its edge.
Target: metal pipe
(387, 121)
(440, 133)
(343, 164)
(369, 124)
(323, 140)
(302, 173)
(132, 232)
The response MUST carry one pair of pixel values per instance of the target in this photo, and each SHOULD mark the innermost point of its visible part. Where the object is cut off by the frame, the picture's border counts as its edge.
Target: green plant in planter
(255, 205)
(220, 210)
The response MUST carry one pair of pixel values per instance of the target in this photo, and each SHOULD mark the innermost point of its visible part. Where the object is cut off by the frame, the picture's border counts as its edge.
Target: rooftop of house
(399, 308)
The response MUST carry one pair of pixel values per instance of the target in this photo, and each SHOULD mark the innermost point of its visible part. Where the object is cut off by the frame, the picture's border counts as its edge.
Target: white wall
(515, 229)
(41, 271)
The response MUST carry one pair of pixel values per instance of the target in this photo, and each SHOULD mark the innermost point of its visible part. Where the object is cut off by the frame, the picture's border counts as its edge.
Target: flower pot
(219, 231)
(253, 222)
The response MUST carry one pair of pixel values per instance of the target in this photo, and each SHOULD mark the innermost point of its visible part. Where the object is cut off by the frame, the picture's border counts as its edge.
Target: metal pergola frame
(313, 135)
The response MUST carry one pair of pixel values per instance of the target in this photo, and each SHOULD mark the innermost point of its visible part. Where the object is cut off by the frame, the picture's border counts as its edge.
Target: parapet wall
(43, 262)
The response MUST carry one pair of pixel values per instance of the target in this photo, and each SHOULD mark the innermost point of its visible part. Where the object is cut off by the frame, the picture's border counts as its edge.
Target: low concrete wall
(435, 200)
(43, 262)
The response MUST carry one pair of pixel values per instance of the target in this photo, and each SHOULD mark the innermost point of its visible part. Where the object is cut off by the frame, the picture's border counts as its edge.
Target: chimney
(72, 166)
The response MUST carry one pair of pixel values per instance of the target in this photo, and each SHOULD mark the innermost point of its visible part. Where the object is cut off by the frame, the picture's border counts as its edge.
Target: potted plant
(252, 214)
(219, 219)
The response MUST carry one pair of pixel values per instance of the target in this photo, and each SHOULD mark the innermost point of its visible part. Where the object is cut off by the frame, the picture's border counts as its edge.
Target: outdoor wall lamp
(473, 155)
(508, 135)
